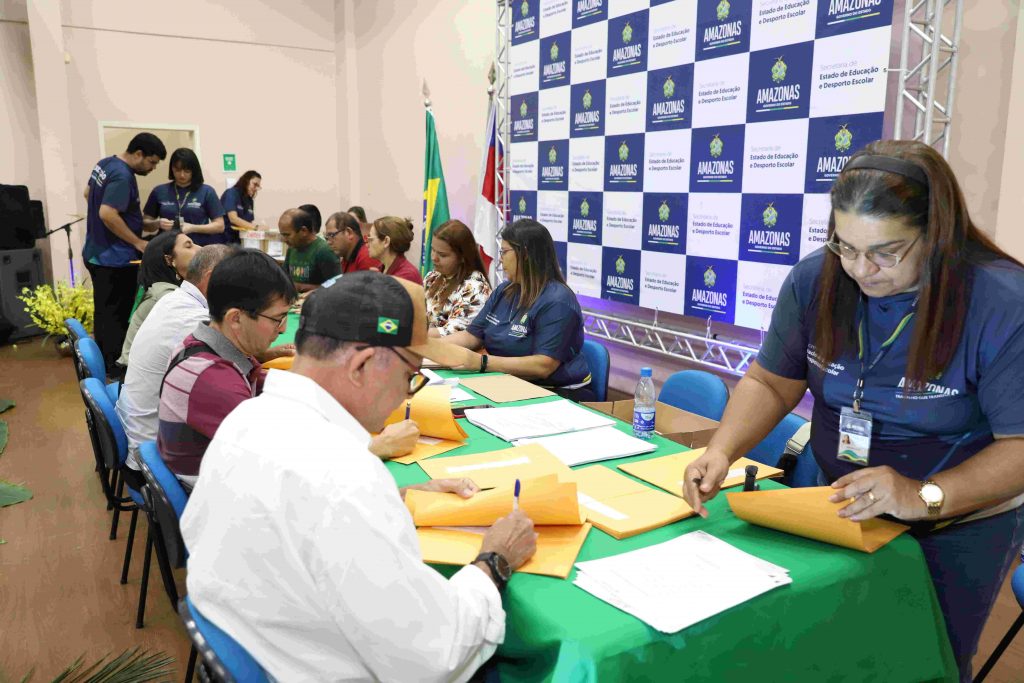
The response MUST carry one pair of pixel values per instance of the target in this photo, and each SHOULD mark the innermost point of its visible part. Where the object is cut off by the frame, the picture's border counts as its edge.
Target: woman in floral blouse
(457, 287)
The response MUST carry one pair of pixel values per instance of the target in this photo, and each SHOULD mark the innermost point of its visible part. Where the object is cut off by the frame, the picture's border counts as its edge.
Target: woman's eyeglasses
(882, 259)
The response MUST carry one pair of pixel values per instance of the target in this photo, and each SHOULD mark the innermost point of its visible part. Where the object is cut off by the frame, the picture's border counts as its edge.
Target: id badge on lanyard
(855, 424)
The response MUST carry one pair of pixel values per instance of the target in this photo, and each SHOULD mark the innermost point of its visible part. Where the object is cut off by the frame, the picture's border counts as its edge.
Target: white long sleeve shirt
(303, 551)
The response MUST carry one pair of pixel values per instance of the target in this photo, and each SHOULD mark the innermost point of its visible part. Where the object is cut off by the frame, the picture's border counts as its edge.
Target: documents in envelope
(666, 472)
(621, 507)
(557, 547)
(537, 419)
(545, 500)
(432, 411)
(428, 447)
(591, 445)
(497, 468)
(808, 512)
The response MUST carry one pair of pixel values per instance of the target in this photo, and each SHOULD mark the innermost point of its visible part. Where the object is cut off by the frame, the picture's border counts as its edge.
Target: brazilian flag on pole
(435, 196)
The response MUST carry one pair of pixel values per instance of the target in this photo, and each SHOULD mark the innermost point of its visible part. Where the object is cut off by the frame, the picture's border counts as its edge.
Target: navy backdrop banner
(680, 152)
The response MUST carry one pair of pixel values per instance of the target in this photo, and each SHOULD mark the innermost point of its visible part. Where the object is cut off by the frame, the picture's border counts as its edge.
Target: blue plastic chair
(223, 658)
(600, 364)
(76, 330)
(696, 391)
(89, 356)
(1017, 584)
(771, 448)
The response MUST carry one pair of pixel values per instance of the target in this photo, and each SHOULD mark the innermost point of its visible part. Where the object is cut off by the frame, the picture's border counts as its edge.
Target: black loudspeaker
(38, 227)
(16, 226)
(19, 268)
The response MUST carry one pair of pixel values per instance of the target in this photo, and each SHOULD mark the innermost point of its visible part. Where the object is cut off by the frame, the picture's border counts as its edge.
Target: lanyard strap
(862, 351)
(181, 203)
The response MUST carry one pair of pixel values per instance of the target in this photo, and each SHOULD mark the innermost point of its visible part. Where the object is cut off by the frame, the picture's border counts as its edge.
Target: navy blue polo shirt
(240, 203)
(552, 327)
(113, 183)
(198, 207)
(917, 433)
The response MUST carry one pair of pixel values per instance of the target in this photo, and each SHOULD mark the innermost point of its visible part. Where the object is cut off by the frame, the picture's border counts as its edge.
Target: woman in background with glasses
(532, 325)
(909, 332)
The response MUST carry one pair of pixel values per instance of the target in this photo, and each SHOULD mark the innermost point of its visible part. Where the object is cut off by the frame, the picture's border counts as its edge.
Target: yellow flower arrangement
(50, 306)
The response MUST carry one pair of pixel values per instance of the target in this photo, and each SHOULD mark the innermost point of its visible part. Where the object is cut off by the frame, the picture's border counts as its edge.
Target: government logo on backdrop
(620, 275)
(586, 217)
(524, 118)
(665, 222)
(780, 83)
(716, 159)
(555, 60)
(710, 288)
(624, 162)
(586, 109)
(846, 16)
(588, 12)
(670, 98)
(627, 44)
(553, 165)
(770, 228)
(831, 141)
(723, 28)
(524, 21)
(524, 204)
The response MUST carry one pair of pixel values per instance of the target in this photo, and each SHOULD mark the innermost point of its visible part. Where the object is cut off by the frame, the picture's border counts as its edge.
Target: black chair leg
(119, 492)
(1003, 644)
(165, 567)
(108, 480)
(145, 579)
(190, 671)
(128, 546)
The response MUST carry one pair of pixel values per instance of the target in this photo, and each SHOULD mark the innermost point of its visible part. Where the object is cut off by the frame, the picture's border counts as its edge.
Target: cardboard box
(688, 429)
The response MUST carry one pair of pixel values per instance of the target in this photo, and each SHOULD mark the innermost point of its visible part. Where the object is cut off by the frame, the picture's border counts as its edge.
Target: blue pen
(515, 501)
(408, 409)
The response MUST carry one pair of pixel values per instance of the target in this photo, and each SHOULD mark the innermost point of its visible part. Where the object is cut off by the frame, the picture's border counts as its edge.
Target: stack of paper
(808, 512)
(538, 419)
(434, 379)
(622, 507)
(678, 583)
(498, 468)
(591, 445)
(667, 471)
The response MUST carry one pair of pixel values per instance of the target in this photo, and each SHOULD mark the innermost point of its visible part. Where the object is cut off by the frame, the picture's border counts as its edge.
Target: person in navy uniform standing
(908, 329)
(532, 324)
(186, 202)
(239, 206)
(113, 238)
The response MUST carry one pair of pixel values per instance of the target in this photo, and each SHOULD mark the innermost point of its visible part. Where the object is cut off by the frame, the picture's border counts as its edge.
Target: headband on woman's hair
(877, 162)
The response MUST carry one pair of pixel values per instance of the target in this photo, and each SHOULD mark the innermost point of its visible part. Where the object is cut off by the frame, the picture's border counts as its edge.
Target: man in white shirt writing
(300, 545)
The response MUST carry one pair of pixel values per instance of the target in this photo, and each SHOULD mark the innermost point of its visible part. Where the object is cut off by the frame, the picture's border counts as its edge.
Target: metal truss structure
(502, 104)
(928, 59)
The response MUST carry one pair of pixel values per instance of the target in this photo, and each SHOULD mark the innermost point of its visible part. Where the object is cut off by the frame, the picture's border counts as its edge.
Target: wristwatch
(499, 566)
(932, 495)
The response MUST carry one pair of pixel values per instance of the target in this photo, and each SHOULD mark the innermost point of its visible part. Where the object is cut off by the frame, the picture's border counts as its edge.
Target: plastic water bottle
(643, 406)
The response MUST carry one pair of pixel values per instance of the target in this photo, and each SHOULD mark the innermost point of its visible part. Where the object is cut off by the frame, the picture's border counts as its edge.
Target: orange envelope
(622, 507)
(498, 468)
(428, 447)
(282, 363)
(557, 548)
(666, 472)
(808, 512)
(545, 500)
(431, 410)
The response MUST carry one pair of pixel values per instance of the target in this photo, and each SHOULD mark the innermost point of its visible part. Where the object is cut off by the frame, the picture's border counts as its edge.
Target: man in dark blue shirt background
(113, 238)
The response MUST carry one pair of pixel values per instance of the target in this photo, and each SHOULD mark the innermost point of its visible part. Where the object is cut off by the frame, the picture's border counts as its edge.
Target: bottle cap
(645, 372)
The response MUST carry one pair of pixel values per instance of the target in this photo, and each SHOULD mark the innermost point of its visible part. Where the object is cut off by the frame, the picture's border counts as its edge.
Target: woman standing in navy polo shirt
(238, 202)
(186, 202)
(909, 332)
(532, 324)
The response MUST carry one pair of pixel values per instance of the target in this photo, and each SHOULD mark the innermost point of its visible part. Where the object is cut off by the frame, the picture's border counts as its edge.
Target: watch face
(501, 564)
(931, 494)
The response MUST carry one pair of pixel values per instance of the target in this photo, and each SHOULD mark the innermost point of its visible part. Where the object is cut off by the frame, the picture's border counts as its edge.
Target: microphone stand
(71, 254)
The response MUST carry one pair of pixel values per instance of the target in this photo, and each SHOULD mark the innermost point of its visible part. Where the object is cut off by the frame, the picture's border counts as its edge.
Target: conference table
(847, 616)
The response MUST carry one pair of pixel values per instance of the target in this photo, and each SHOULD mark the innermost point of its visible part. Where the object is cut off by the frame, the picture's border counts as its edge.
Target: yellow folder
(808, 512)
(280, 363)
(667, 471)
(498, 468)
(428, 447)
(557, 547)
(622, 507)
(431, 410)
(545, 500)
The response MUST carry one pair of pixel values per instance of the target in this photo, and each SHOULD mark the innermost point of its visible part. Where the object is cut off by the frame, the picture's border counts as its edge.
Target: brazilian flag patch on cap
(387, 325)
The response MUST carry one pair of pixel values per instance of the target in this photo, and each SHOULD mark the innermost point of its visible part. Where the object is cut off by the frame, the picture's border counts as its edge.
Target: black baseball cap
(365, 306)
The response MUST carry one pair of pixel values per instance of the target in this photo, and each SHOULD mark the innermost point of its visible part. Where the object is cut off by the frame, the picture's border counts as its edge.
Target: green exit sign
(229, 162)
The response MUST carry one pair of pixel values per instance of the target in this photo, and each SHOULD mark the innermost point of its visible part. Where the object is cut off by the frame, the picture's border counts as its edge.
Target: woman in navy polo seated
(532, 325)
(239, 203)
(909, 331)
(186, 203)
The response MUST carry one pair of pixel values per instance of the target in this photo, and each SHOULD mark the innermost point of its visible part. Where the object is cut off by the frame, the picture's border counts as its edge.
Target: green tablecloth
(846, 616)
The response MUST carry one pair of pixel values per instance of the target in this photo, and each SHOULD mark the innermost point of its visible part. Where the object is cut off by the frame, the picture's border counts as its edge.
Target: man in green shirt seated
(309, 261)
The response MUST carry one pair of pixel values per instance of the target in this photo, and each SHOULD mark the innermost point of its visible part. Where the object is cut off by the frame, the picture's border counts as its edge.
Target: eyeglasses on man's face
(417, 380)
(278, 322)
(882, 259)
